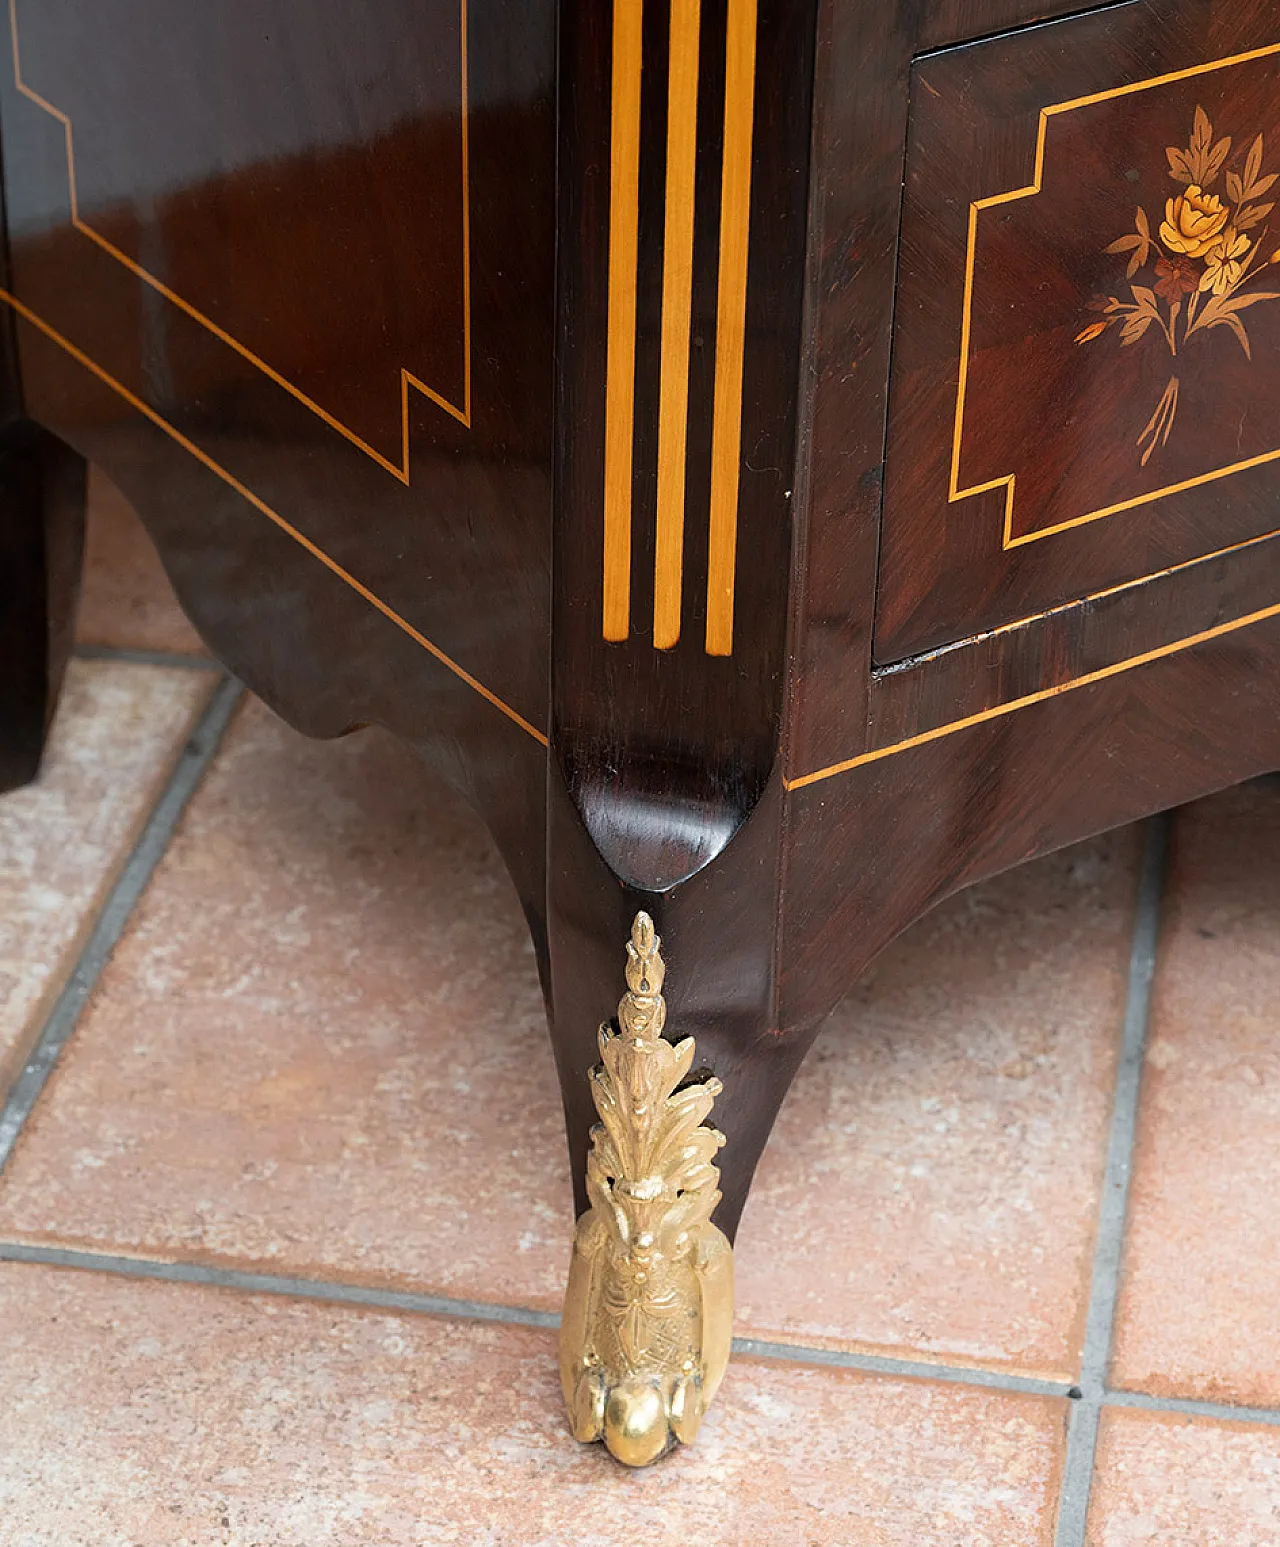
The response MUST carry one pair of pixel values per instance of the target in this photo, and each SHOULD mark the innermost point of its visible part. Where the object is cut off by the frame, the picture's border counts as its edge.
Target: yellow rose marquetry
(1193, 222)
(1203, 261)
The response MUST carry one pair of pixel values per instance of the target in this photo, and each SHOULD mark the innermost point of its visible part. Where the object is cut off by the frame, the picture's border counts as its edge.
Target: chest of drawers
(782, 460)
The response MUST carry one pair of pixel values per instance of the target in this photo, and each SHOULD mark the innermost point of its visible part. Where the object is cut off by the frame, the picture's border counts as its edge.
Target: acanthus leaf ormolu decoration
(648, 1314)
(1205, 255)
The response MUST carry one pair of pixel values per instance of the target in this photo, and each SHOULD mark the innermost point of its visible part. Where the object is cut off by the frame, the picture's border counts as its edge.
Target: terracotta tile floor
(125, 600)
(283, 1235)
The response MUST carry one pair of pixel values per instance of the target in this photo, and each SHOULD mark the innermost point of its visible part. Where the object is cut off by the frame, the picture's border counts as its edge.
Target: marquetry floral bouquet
(1210, 247)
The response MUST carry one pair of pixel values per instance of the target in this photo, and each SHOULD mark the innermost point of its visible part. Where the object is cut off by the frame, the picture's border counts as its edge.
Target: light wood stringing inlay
(677, 289)
(731, 321)
(677, 299)
(620, 371)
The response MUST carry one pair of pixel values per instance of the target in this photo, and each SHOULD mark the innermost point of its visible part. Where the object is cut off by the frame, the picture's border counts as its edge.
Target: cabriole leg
(42, 496)
(668, 1108)
(683, 197)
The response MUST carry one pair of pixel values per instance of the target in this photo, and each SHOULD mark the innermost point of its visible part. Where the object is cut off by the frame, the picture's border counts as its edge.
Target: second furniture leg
(42, 496)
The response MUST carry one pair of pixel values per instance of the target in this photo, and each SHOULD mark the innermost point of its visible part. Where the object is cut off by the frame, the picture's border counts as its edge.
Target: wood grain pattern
(458, 557)
(149, 127)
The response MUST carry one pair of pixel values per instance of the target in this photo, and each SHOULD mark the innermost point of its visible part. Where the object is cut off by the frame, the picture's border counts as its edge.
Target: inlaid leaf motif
(1138, 242)
(1253, 216)
(1253, 166)
(1203, 256)
(1202, 160)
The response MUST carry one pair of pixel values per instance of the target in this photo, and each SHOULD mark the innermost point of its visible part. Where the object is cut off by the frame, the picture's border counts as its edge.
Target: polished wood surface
(1025, 161)
(288, 223)
(665, 744)
(343, 589)
(591, 420)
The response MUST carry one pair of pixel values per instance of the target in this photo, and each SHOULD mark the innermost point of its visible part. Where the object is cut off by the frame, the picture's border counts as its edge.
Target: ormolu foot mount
(648, 1314)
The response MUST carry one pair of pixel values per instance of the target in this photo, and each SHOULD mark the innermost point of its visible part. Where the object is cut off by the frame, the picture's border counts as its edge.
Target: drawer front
(1086, 365)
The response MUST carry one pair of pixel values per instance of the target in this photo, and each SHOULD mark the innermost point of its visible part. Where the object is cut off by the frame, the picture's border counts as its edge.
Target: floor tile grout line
(369, 1297)
(328, 1290)
(201, 745)
(128, 655)
(288, 1286)
(1082, 1425)
(1114, 1204)
(285, 1286)
(911, 1369)
(1192, 1407)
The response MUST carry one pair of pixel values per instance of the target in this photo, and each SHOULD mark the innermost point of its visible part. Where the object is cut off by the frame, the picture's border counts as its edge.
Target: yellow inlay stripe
(620, 369)
(731, 321)
(677, 300)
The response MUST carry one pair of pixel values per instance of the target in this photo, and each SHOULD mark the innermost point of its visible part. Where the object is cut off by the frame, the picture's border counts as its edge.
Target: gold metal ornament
(648, 1314)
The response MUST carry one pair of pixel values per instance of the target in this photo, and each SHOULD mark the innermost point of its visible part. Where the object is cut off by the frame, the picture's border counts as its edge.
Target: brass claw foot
(648, 1314)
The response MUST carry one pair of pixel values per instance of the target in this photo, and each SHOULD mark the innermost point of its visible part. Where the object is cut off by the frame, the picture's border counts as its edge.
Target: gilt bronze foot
(648, 1314)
